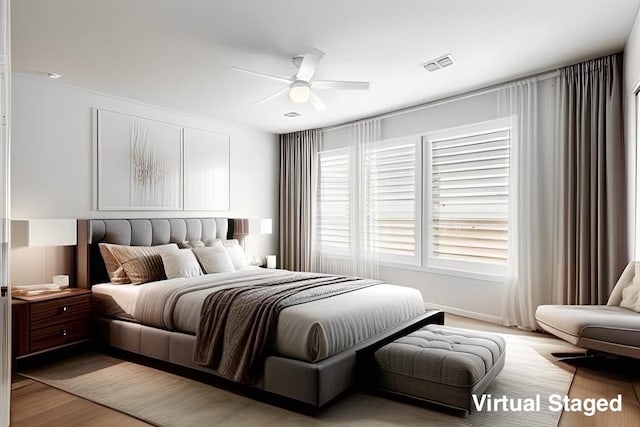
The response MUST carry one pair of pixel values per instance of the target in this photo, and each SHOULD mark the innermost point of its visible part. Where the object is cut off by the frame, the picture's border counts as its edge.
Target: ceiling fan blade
(272, 96)
(308, 65)
(317, 103)
(335, 84)
(268, 76)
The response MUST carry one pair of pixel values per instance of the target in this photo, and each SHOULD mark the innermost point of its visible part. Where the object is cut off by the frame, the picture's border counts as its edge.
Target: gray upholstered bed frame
(313, 384)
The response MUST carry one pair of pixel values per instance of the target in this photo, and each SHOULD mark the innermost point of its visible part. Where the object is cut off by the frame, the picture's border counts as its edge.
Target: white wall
(51, 159)
(463, 295)
(473, 109)
(631, 81)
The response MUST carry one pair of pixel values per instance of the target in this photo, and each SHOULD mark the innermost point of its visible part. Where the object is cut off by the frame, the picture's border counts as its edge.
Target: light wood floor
(35, 404)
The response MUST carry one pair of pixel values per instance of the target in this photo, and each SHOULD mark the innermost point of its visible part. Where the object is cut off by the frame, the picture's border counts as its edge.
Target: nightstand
(50, 321)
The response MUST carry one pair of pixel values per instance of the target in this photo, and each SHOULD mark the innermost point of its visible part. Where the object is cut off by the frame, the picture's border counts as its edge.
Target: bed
(313, 355)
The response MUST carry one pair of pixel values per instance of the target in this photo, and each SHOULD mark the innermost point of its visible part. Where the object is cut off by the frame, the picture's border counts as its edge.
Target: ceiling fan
(301, 86)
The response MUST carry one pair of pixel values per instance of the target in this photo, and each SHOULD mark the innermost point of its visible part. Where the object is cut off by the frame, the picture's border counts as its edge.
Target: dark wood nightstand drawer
(60, 310)
(59, 334)
(51, 320)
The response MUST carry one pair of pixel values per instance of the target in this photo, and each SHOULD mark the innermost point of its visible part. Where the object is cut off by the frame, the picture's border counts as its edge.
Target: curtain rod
(541, 76)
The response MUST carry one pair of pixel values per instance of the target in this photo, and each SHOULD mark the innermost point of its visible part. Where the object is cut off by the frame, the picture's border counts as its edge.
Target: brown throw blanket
(237, 325)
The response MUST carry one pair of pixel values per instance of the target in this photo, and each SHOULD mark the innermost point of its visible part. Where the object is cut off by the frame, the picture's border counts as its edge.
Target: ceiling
(178, 54)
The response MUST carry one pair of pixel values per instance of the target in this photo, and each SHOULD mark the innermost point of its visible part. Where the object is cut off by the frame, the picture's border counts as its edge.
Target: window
(393, 179)
(453, 217)
(380, 213)
(467, 209)
(333, 207)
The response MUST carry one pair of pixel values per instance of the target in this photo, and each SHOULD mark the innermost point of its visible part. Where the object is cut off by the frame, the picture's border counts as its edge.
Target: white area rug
(165, 399)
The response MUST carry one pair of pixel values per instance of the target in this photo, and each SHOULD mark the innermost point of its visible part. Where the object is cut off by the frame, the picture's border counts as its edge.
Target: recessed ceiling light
(293, 114)
(54, 75)
(438, 63)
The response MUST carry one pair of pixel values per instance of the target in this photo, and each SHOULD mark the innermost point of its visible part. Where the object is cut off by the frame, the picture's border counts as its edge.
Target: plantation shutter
(333, 214)
(470, 191)
(391, 199)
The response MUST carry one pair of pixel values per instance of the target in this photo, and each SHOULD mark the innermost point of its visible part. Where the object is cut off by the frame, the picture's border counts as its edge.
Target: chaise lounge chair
(613, 328)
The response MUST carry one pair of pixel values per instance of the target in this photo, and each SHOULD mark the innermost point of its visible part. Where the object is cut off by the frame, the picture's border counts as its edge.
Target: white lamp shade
(265, 226)
(43, 232)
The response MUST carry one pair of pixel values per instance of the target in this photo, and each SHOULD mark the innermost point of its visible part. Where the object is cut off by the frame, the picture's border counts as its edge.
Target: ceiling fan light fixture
(299, 85)
(299, 91)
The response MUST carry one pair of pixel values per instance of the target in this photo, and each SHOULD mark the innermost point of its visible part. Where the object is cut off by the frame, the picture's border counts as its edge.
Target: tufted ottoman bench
(440, 364)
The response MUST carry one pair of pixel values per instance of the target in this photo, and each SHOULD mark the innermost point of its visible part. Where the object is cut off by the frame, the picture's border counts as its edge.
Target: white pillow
(188, 244)
(213, 243)
(236, 253)
(214, 259)
(181, 264)
(631, 293)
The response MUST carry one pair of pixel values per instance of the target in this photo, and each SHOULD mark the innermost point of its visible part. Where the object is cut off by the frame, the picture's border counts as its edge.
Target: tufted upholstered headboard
(137, 232)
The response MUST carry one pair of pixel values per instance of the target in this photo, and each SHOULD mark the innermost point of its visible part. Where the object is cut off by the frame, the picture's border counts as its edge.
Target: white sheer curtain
(361, 259)
(532, 197)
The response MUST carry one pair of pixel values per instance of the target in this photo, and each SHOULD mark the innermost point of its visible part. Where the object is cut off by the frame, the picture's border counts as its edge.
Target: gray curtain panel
(298, 176)
(592, 227)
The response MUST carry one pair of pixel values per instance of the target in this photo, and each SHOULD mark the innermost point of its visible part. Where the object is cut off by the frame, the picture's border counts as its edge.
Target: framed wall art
(139, 163)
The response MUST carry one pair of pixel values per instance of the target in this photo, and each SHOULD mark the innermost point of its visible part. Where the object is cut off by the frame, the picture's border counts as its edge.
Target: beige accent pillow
(114, 268)
(142, 264)
(236, 253)
(182, 263)
(631, 293)
(214, 259)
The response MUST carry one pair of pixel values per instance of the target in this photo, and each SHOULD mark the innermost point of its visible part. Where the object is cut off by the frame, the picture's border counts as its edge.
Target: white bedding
(311, 332)
(113, 300)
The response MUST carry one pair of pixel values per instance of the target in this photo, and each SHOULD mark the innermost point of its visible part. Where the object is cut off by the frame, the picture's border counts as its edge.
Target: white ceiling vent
(293, 114)
(438, 63)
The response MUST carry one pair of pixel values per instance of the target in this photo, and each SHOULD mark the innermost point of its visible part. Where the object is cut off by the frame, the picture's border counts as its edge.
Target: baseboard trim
(465, 313)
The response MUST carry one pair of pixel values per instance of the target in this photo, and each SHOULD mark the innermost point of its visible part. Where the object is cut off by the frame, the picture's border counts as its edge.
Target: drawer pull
(64, 309)
(64, 332)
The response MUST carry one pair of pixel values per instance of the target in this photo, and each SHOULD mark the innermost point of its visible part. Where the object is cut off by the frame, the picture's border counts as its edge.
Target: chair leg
(563, 357)
(578, 356)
